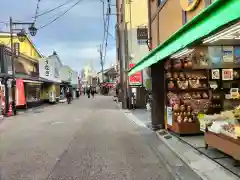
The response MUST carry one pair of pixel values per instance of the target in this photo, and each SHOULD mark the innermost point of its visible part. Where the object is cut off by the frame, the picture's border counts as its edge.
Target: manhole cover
(167, 137)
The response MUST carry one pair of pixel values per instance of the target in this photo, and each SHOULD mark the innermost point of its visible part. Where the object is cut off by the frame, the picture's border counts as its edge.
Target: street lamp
(32, 30)
(21, 37)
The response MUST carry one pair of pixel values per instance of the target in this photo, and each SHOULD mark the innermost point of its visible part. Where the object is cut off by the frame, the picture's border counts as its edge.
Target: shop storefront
(196, 77)
(63, 90)
(49, 69)
(32, 93)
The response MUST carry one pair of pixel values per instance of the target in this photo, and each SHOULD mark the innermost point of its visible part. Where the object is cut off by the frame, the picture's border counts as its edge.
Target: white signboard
(169, 116)
(49, 69)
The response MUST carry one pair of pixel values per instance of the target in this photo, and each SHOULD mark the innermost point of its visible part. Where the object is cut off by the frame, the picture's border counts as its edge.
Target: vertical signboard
(142, 35)
(136, 78)
(20, 93)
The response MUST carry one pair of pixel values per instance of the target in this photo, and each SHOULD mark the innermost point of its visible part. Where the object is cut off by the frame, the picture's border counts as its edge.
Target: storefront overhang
(210, 20)
(28, 78)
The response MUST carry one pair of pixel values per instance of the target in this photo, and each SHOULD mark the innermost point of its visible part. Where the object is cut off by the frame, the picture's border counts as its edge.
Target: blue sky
(75, 36)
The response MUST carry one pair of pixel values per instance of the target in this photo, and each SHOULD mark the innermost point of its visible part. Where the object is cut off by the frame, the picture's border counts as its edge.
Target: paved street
(91, 139)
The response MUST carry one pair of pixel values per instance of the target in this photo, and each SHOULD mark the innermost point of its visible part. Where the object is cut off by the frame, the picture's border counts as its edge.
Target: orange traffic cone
(10, 113)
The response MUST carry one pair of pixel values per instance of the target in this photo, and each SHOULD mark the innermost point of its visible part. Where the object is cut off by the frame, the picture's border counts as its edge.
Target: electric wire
(104, 27)
(58, 17)
(53, 9)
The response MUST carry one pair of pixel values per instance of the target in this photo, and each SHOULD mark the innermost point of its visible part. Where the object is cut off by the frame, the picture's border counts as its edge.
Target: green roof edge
(210, 9)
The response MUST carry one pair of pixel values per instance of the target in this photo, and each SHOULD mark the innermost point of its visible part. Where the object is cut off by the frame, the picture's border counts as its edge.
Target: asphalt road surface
(90, 139)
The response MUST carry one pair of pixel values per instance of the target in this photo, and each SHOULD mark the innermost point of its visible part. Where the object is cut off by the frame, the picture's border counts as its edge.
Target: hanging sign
(227, 74)
(47, 68)
(135, 79)
(189, 5)
(20, 93)
(16, 49)
(142, 35)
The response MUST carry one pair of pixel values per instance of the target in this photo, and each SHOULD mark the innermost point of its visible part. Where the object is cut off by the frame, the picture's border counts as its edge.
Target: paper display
(215, 74)
(227, 74)
(228, 54)
(237, 54)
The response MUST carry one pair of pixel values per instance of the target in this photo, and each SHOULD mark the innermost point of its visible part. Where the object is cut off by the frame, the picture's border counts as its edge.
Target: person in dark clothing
(69, 96)
(92, 92)
(88, 92)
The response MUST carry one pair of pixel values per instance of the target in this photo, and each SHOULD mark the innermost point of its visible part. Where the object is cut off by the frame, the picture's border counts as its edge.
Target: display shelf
(221, 142)
(188, 89)
(185, 128)
(191, 89)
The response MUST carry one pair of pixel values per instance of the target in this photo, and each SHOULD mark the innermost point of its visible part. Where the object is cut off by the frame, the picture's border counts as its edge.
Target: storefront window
(33, 92)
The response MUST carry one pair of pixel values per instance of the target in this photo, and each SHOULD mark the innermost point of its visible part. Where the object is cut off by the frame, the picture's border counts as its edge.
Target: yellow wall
(26, 47)
(28, 65)
(139, 13)
(46, 89)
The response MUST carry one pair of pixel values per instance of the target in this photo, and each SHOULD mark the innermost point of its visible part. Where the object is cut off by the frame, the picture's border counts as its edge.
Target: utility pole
(127, 98)
(13, 69)
(101, 60)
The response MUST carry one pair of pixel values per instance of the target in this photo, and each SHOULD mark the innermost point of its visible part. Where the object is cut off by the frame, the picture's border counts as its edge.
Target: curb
(196, 161)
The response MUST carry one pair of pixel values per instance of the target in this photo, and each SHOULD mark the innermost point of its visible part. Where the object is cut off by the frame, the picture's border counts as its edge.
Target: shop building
(195, 71)
(49, 68)
(26, 72)
(165, 18)
(74, 83)
(65, 77)
(132, 19)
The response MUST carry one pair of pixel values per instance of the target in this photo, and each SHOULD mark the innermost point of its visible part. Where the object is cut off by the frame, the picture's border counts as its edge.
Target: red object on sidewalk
(10, 113)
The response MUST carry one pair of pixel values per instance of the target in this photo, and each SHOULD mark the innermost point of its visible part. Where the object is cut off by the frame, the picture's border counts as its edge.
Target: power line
(36, 12)
(53, 9)
(108, 19)
(65, 12)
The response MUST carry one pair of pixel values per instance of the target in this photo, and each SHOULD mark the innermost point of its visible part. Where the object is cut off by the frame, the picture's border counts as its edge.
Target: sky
(75, 37)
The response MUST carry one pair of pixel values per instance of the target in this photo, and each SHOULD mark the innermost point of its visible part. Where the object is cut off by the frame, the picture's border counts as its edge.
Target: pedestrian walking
(69, 96)
(92, 92)
(88, 92)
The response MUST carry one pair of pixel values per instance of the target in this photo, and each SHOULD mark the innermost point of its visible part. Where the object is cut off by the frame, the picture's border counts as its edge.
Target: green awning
(218, 14)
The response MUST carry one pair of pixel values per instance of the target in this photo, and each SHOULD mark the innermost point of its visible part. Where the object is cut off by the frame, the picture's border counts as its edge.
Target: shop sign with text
(20, 93)
(189, 5)
(135, 79)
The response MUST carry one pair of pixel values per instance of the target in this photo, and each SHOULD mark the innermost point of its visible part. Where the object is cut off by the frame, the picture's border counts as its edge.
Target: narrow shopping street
(86, 140)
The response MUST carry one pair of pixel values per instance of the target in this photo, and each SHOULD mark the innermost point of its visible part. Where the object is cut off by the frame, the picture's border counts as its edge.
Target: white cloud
(79, 54)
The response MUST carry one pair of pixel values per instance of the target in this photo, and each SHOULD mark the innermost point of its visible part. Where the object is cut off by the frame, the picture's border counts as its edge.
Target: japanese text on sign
(135, 79)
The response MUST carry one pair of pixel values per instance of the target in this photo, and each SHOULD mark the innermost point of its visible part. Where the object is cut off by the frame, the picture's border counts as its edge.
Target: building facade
(131, 15)
(49, 69)
(166, 17)
(26, 72)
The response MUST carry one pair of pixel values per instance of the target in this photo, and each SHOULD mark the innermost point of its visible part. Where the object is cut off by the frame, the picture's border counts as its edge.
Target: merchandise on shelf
(227, 123)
